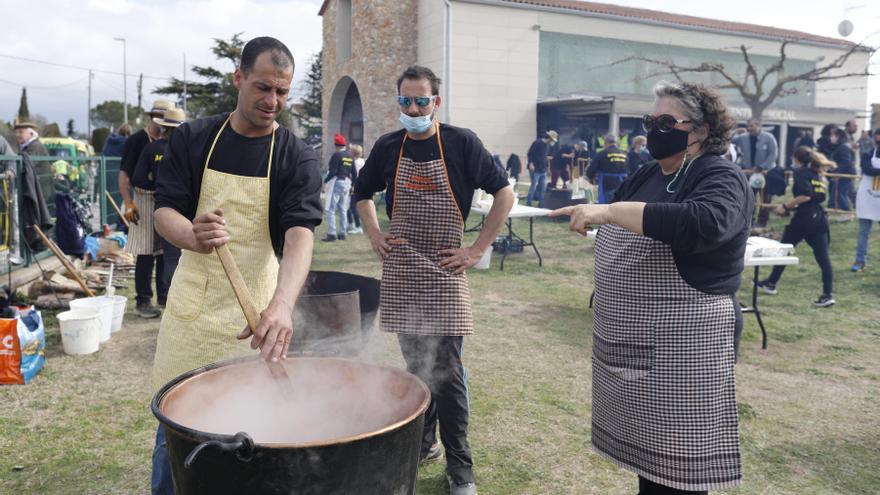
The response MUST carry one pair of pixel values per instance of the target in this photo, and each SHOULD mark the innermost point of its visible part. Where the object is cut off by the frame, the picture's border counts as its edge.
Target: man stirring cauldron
(431, 171)
(238, 179)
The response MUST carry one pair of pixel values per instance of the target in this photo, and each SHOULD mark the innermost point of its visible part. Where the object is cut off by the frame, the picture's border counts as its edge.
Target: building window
(343, 30)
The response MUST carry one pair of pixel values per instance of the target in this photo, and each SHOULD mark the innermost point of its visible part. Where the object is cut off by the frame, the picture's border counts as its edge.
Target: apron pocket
(624, 348)
(186, 297)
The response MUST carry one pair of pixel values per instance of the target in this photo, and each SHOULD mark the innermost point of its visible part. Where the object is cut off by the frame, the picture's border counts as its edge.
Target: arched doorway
(346, 114)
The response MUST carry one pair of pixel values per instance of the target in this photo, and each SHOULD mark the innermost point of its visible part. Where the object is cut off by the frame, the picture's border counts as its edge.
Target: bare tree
(755, 85)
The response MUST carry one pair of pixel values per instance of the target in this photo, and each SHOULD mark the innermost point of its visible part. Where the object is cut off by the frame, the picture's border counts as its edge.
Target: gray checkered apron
(664, 390)
(417, 295)
(142, 237)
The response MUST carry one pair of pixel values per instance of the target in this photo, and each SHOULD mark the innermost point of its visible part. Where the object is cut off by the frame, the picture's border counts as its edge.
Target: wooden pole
(252, 315)
(118, 211)
(64, 261)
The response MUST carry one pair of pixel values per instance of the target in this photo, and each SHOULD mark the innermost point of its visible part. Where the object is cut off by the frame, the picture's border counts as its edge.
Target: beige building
(514, 68)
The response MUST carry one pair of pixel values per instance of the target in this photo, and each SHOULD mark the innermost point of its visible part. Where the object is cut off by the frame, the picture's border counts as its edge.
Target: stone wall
(383, 44)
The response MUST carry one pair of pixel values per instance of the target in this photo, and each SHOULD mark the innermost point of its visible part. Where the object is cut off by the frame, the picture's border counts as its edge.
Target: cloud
(157, 34)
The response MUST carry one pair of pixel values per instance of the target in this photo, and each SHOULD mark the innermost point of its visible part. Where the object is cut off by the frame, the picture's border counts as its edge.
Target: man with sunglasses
(431, 171)
(759, 152)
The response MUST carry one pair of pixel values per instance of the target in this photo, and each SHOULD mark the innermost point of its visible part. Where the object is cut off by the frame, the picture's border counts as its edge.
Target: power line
(69, 66)
(31, 86)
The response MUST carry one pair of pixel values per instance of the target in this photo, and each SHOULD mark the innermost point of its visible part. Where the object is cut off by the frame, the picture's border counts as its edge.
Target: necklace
(683, 166)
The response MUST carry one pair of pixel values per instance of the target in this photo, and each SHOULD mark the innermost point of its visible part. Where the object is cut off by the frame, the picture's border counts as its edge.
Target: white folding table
(518, 211)
(758, 262)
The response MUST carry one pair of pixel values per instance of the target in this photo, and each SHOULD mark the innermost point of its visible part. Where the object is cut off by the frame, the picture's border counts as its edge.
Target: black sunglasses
(421, 101)
(664, 123)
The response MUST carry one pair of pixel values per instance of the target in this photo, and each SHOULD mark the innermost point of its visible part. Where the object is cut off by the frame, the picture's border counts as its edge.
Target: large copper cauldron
(343, 427)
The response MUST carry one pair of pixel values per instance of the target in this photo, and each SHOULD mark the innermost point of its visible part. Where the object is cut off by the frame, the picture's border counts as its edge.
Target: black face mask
(665, 144)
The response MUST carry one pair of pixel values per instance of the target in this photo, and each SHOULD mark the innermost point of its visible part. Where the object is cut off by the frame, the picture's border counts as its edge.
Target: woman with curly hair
(669, 254)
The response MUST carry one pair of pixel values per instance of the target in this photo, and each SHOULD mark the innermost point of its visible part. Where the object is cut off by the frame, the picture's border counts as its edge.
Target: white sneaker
(355, 230)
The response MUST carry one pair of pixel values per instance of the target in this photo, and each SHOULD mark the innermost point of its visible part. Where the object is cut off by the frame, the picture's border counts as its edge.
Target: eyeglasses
(664, 123)
(421, 101)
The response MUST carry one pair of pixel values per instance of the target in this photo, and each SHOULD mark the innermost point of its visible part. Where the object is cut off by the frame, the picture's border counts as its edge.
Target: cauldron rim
(199, 434)
(345, 293)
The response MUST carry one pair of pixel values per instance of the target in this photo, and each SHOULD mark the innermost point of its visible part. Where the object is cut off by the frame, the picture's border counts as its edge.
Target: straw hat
(24, 124)
(160, 107)
(553, 135)
(173, 117)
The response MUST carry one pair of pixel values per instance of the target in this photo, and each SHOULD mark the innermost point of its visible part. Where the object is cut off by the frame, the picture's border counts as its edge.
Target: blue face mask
(416, 125)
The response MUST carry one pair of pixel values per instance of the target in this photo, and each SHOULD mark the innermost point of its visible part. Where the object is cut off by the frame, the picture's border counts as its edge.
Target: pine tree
(310, 118)
(23, 113)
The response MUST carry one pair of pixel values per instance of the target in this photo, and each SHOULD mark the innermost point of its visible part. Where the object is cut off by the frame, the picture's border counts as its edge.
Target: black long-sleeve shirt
(294, 183)
(341, 167)
(131, 151)
(537, 155)
(468, 163)
(705, 220)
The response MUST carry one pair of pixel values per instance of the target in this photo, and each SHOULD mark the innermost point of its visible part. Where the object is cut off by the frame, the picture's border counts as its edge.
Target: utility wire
(31, 86)
(69, 66)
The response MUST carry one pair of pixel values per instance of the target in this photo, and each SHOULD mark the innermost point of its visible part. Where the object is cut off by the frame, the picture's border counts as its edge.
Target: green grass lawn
(808, 405)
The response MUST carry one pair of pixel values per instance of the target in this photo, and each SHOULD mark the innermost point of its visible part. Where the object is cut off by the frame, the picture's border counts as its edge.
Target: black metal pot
(383, 460)
(334, 314)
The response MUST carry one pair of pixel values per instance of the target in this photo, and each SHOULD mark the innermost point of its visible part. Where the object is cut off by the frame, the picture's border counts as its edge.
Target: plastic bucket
(105, 306)
(80, 330)
(119, 304)
(486, 260)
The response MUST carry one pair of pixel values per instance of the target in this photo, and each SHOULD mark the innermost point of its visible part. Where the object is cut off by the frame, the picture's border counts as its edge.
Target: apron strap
(271, 145)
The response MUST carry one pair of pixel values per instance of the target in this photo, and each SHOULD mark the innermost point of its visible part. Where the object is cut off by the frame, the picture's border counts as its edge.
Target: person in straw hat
(131, 152)
(28, 138)
(143, 242)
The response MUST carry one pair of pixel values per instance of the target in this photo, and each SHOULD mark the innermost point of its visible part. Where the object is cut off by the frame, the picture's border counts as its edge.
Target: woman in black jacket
(843, 155)
(810, 222)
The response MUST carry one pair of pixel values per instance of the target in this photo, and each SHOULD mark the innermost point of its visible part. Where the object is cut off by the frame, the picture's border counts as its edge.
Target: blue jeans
(839, 194)
(339, 203)
(862, 244)
(161, 483)
(537, 188)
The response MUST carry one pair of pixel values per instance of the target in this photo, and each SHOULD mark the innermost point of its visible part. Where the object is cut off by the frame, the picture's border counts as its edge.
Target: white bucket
(105, 306)
(119, 304)
(486, 260)
(80, 330)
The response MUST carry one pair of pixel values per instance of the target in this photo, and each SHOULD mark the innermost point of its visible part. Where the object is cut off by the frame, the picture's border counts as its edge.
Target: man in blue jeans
(537, 160)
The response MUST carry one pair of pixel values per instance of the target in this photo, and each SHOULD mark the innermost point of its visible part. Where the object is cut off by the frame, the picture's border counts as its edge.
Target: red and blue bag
(22, 346)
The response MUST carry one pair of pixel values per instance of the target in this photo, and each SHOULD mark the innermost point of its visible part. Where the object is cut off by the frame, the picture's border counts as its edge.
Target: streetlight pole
(124, 83)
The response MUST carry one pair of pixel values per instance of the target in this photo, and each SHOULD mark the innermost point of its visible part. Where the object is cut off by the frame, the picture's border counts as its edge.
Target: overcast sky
(158, 33)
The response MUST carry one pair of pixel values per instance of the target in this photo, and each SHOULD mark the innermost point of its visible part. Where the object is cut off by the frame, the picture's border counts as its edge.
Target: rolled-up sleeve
(300, 194)
(371, 178)
(483, 172)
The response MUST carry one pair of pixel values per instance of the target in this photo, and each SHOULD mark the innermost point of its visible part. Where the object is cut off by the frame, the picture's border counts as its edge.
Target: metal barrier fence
(93, 176)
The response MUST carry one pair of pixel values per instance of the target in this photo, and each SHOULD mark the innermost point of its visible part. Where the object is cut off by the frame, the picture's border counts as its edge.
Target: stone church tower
(360, 71)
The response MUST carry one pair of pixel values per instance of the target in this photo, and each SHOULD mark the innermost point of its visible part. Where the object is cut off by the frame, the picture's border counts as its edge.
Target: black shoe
(767, 287)
(341, 237)
(824, 301)
(329, 238)
(434, 453)
(147, 310)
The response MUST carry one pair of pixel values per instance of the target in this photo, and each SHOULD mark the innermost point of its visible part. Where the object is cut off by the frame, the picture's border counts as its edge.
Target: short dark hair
(281, 56)
(417, 72)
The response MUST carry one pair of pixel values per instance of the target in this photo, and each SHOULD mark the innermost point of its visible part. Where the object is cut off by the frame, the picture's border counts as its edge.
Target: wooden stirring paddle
(239, 287)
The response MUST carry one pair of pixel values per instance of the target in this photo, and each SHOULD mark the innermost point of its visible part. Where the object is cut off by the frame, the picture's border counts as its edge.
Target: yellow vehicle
(69, 149)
